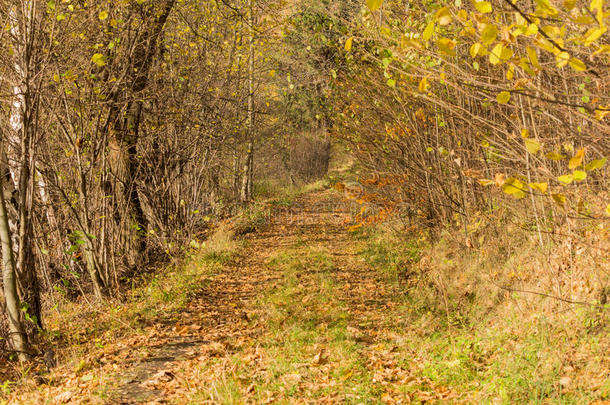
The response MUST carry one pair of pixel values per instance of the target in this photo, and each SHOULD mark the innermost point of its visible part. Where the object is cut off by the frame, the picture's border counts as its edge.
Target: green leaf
(391, 82)
(503, 98)
(374, 5)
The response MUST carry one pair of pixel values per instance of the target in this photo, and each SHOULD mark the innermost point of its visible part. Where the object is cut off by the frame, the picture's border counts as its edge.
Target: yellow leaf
(98, 59)
(532, 145)
(566, 178)
(594, 35)
(486, 182)
(601, 112)
(423, 85)
(446, 46)
(595, 164)
(348, 44)
(596, 5)
(542, 187)
(428, 31)
(443, 16)
(531, 53)
(102, 15)
(562, 59)
(474, 49)
(483, 6)
(531, 29)
(578, 65)
(577, 159)
(525, 133)
(554, 156)
(607, 210)
(602, 49)
(494, 55)
(489, 34)
(503, 97)
(373, 5)
(514, 187)
(579, 175)
(569, 4)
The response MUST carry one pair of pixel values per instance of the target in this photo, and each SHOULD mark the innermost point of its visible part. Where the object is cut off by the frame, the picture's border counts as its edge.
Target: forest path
(297, 317)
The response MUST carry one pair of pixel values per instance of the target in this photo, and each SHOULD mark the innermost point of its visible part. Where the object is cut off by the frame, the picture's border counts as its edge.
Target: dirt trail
(219, 315)
(236, 349)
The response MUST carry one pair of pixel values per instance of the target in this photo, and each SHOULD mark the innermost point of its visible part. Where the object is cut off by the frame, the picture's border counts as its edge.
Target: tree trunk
(17, 335)
(246, 186)
(124, 161)
(20, 156)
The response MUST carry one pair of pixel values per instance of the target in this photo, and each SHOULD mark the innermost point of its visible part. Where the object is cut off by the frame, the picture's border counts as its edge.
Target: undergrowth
(502, 346)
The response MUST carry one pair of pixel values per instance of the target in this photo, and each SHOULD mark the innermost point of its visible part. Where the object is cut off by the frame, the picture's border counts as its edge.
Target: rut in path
(224, 333)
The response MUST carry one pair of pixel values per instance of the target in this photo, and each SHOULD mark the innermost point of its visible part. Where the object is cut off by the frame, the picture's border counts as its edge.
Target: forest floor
(293, 314)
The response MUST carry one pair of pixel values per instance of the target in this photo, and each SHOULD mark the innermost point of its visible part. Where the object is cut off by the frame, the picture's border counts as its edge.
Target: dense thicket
(126, 126)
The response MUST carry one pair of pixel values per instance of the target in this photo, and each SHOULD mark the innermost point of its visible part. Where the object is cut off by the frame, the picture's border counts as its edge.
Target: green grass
(306, 332)
(496, 359)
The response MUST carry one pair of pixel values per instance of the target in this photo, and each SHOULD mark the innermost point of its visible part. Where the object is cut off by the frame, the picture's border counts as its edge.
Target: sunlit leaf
(503, 97)
(577, 65)
(348, 44)
(98, 59)
(579, 175)
(595, 164)
(423, 85)
(474, 49)
(542, 187)
(483, 6)
(374, 5)
(566, 178)
(532, 145)
(577, 159)
(443, 16)
(428, 31)
(514, 187)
